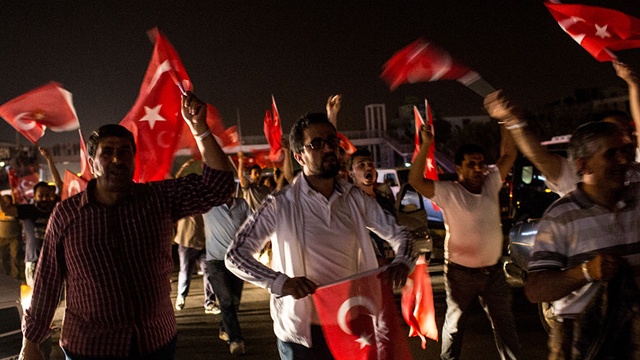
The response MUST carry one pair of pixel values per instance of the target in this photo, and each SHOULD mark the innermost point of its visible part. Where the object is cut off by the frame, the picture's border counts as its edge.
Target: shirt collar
(340, 186)
(581, 198)
(88, 196)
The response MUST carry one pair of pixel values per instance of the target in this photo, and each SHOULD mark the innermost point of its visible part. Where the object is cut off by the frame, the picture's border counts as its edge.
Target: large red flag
(422, 61)
(598, 30)
(417, 304)
(273, 132)
(359, 319)
(85, 169)
(155, 119)
(22, 186)
(73, 184)
(49, 106)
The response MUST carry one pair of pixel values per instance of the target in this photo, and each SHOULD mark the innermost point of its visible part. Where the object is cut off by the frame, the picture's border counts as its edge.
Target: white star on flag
(602, 31)
(364, 340)
(152, 115)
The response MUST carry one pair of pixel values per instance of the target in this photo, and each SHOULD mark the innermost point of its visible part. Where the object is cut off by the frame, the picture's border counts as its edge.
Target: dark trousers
(463, 286)
(318, 351)
(188, 259)
(167, 352)
(228, 289)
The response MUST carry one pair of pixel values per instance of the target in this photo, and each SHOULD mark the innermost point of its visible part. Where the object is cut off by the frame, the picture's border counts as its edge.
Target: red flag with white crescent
(72, 185)
(598, 30)
(422, 61)
(155, 119)
(359, 319)
(417, 304)
(22, 186)
(47, 107)
(85, 168)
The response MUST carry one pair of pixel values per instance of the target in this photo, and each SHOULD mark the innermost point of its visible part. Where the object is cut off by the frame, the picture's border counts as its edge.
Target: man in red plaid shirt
(111, 246)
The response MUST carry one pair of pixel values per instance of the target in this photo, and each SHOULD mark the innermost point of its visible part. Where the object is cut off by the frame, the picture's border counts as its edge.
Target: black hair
(467, 149)
(296, 136)
(360, 152)
(109, 130)
(41, 184)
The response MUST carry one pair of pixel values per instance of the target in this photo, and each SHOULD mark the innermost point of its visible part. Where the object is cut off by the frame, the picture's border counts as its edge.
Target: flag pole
(239, 127)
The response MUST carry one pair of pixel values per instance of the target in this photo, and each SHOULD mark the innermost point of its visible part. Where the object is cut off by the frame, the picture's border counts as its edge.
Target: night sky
(238, 53)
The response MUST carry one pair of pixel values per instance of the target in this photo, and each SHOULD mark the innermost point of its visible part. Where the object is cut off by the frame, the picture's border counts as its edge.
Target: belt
(483, 270)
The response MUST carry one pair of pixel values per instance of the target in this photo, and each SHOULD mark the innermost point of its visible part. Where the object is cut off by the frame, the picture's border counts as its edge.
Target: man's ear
(582, 166)
(299, 159)
(90, 160)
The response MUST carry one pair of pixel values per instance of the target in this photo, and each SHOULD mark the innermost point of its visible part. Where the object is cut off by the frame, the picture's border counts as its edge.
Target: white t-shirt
(474, 230)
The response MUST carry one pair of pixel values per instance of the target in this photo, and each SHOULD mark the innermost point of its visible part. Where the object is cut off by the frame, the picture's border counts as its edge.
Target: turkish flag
(85, 169)
(417, 304)
(22, 187)
(49, 106)
(430, 170)
(347, 145)
(73, 184)
(598, 30)
(155, 119)
(422, 61)
(273, 132)
(359, 318)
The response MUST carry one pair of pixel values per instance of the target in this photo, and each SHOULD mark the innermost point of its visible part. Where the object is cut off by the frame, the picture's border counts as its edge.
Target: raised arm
(194, 112)
(499, 108)
(241, 178)
(416, 174)
(287, 167)
(55, 175)
(508, 153)
(333, 107)
(630, 76)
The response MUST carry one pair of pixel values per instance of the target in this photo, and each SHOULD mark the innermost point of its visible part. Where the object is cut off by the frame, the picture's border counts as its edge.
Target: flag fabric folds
(417, 304)
(49, 106)
(345, 144)
(598, 30)
(359, 318)
(85, 169)
(273, 132)
(422, 61)
(430, 169)
(155, 119)
(73, 184)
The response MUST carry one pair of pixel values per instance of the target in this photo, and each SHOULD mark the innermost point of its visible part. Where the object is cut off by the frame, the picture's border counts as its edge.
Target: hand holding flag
(430, 169)
(273, 132)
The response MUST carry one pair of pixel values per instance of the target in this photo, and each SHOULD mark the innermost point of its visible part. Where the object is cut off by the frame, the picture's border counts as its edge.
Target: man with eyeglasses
(318, 227)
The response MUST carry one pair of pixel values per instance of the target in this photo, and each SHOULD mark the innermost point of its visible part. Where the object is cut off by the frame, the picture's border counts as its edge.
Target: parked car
(410, 213)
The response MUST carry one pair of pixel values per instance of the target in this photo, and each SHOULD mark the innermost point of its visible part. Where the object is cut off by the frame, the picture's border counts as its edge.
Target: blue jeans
(228, 289)
(167, 352)
(465, 285)
(318, 351)
(188, 258)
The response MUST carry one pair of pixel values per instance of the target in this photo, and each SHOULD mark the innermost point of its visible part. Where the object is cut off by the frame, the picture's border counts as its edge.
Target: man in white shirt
(318, 227)
(473, 244)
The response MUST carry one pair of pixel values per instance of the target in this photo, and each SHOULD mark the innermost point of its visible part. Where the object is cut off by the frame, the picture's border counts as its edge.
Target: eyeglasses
(318, 143)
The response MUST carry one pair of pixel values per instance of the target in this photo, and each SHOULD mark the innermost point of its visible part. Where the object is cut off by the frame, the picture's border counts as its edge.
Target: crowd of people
(109, 247)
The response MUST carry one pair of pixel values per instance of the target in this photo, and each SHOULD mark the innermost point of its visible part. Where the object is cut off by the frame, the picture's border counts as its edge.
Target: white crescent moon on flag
(164, 67)
(160, 140)
(363, 301)
(567, 23)
(22, 124)
(74, 187)
(26, 185)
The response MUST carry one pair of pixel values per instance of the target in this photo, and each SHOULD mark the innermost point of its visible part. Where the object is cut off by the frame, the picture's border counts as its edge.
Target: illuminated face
(45, 198)
(113, 165)
(254, 176)
(363, 171)
(472, 170)
(607, 168)
(322, 160)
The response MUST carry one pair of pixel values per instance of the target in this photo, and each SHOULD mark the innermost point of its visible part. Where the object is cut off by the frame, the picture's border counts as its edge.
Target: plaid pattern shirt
(116, 262)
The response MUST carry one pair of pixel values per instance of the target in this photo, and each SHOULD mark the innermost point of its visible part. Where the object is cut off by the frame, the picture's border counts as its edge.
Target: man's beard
(329, 169)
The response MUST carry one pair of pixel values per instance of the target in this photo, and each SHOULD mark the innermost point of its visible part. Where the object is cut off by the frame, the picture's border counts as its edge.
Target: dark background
(239, 53)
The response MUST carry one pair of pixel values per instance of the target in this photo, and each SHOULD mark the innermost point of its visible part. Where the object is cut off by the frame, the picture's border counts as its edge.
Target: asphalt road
(198, 332)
